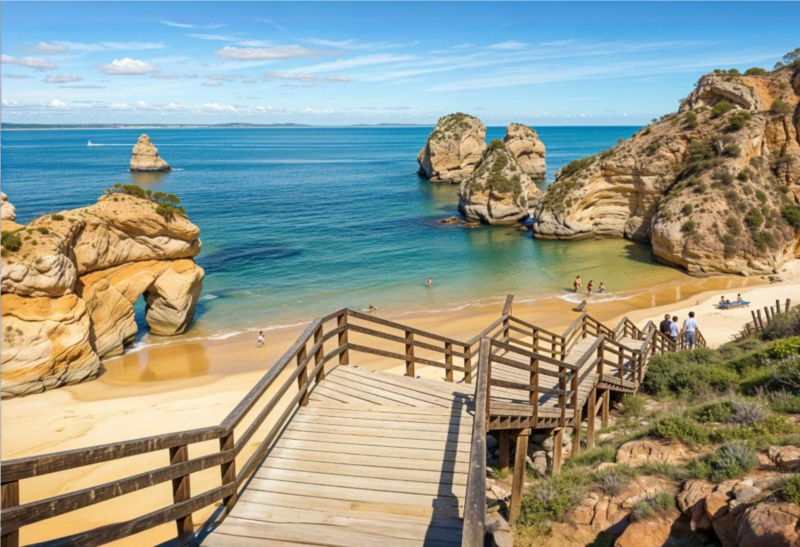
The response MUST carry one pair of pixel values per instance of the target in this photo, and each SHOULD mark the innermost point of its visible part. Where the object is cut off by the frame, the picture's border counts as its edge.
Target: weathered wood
(302, 376)
(518, 481)
(9, 536)
(558, 443)
(590, 417)
(319, 354)
(467, 364)
(228, 471)
(474, 530)
(181, 491)
(448, 361)
(503, 460)
(606, 407)
(341, 321)
(760, 321)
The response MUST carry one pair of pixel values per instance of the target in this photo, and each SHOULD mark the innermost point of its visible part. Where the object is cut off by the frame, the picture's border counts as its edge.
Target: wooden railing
(760, 322)
(474, 530)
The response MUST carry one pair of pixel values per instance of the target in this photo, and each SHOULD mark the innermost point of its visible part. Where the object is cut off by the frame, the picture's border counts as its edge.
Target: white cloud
(354, 45)
(174, 76)
(39, 63)
(267, 21)
(55, 103)
(509, 45)
(286, 75)
(211, 83)
(83, 86)
(45, 48)
(338, 79)
(216, 107)
(188, 25)
(128, 67)
(269, 54)
(17, 76)
(256, 43)
(356, 62)
(110, 46)
(62, 79)
(219, 37)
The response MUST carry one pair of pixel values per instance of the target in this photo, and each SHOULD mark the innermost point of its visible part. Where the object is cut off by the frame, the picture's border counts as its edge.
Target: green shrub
(689, 226)
(781, 107)
(755, 71)
(11, 240)
(753, 219)
(732, 150)
(43, 230)
(614, 480)
(783, 348)
(654, 506)
(687, 209)
(721, 108)
(700, 151)
(720, 411)
(57, 217)
(678, 428)
(791, 214)
(787, 371)
(576, 165)
(790, 489)
(552, 497)
(764, 240)
(691, 120)
(739, 120)
(784, 401)
(687, 374)
(592, 456)
(749, 413)
(731, 460)
(783, 325)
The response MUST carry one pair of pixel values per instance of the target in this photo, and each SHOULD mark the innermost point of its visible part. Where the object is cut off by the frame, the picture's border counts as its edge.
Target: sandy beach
(182, 386)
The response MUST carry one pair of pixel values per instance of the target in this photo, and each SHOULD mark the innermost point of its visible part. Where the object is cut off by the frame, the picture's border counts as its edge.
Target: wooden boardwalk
(374, 459)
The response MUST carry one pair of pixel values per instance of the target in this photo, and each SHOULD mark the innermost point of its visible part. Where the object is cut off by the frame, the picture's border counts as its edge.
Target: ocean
(298, 222)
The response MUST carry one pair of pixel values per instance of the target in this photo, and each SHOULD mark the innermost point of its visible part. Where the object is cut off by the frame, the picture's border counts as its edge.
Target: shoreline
(186, 385)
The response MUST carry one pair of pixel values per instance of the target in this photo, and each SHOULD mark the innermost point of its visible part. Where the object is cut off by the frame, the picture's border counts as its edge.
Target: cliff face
(529, 151)
(714, 187)
(453, 149)
(499, 191)
(145, 157)
(70, 281)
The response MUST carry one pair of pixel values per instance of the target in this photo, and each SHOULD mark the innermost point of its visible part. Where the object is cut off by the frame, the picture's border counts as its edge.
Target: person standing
(577, 283)
(261, 339)
(664, 326)
(674, 329)
(590, 287)
(602, 288)
(430, 282)
(690, 330)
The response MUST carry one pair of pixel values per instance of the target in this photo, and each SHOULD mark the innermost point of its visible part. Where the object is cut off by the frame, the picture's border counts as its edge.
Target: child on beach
(261, 339)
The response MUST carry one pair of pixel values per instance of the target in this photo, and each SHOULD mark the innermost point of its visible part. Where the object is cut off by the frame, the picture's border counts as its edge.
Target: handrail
(474, 530)
(477, 338)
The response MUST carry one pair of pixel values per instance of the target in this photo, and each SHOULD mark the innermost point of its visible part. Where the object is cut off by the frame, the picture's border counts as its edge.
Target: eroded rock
(640, 452)
(453, 149)
(7, 210)
(145, 157)
(524, 144)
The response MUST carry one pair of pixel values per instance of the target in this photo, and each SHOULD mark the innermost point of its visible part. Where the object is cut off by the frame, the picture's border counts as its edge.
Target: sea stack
(524, 143)
(7, 211)
(146, 158)
(453, 149)
(499, 191)
(70, 281)
(714, 187)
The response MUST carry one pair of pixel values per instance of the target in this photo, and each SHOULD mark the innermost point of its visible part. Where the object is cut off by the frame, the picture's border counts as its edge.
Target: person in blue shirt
(690, 330)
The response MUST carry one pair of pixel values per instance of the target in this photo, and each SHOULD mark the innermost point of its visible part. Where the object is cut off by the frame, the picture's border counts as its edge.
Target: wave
(577, 298)
(209, 296)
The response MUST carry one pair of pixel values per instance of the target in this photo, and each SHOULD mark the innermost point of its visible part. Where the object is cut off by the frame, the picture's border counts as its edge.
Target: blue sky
(341, 63)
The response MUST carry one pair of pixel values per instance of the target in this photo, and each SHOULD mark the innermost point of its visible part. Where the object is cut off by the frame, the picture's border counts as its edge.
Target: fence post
(788, 304)
(576, 414)
(562, 395)
(534, 382)
(448, 361)
(409, 354)
(302, 378)
(467, 364)
(518, 481)
(181, 491)
(590, 416)
(319, 354)
(10, 498)
(342, 321)
(228, 471)
(601, 354)
(778, 306)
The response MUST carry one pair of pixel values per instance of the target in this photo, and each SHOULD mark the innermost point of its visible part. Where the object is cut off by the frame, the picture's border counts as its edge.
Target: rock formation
(453, 149)
(499, 191)
(7, 211)
(714, 188)
(70, 281)
(146, 158)
(527, 149)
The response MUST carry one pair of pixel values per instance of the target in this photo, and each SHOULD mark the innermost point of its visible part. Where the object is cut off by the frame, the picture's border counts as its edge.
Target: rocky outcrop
(146, 158)
(785, 458)
(603, 511)
(648, 532)
(71, 279)
(498, 191)
(641, 452)
(7, 211)
(773, 524)
(713, 188)
(524, 144)
(453, 149)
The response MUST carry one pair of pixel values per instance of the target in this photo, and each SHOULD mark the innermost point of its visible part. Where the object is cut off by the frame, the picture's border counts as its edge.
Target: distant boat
(91, 144)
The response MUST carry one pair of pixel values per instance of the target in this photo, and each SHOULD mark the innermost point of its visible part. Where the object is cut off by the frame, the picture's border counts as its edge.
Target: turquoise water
(297, 222)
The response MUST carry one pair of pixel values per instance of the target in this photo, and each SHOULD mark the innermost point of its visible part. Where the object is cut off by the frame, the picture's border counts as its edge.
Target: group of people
(725, 302)
(672, 329)
(590, 287)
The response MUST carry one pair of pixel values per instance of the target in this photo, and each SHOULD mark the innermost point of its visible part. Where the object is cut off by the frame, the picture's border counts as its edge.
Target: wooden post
(503, 456)
(755, 321)
(760, 321)
(601, 354)
(319, 354)
(467, 364)
(228, 471)
(640, 367)
(341, 321)
(534, 382)
(10, 498)
(592, 411)
(606, 407)
(788, 304)
(448, 361)
(410, 354)
(562, 395)
(302, 378)
(181, 491)
(576, 414)
(518, 482)
(778, 306)
(558, 442)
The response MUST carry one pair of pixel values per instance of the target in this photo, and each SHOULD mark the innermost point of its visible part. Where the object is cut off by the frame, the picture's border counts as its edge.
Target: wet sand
(183, 386)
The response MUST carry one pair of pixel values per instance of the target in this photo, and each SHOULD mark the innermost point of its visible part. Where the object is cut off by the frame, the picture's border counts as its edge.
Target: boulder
(769, 524)
(524, 144)
(602, 511)
(648, 532)
(145, 157)
(498, 191)
(640, 452)
(453, 149)
(715, 87)
(785, 458)
(7, 211)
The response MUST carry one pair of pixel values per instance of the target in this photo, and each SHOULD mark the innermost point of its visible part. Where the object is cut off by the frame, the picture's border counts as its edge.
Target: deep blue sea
(298, 222)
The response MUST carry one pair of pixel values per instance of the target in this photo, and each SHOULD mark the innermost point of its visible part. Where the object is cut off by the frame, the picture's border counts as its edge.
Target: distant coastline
(77, 126)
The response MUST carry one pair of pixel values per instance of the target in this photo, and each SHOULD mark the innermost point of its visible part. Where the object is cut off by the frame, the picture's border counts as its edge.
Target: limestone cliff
(453, 149)
(145, 157)
(70, 281)
(499, 191)
(527, 149)
(7, 211)
(714, 187)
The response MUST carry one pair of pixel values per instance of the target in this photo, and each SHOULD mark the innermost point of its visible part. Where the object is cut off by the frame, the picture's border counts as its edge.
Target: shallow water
(297, 222)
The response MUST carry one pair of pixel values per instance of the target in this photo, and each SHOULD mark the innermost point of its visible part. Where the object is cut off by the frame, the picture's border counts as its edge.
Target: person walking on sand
(690, 330)
(261, 339)
(664, 326)
(590, 287)
(577, 283)
(430, 282)
(674, 329)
